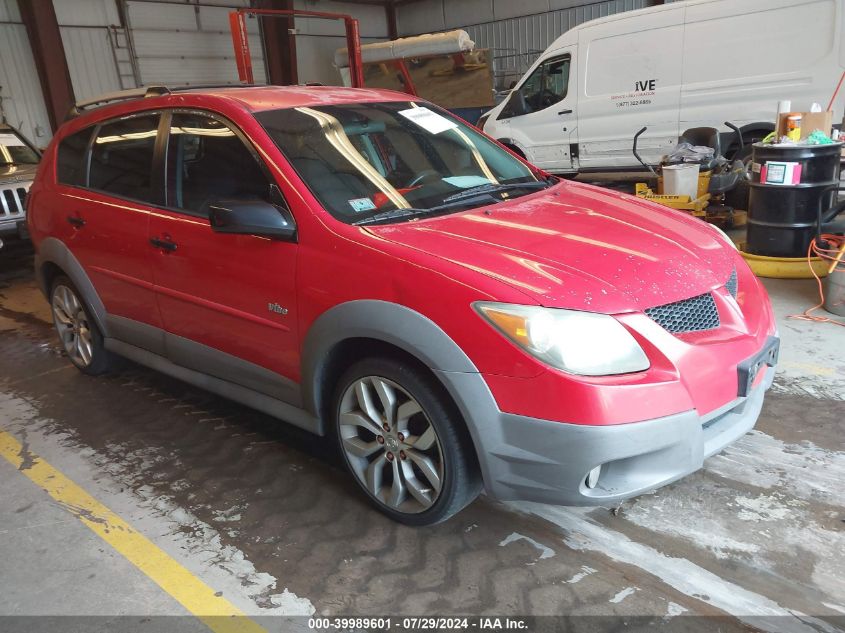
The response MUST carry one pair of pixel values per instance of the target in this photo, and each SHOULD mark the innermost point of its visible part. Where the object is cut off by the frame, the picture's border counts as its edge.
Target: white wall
(21, 99)
(179, 43)
(185, 44)
(176, 42)
(84, 26)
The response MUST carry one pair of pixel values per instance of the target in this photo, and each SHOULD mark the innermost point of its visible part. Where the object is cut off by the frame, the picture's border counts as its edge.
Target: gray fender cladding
(53, 250)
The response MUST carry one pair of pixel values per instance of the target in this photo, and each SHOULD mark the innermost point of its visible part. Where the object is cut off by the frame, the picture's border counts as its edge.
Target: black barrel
(782, 218)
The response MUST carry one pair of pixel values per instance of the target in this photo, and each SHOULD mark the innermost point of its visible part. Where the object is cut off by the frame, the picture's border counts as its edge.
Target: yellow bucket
(784, 267)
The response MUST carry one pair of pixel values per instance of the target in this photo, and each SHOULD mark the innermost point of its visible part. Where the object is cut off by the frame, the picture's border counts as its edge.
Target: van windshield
(395, 161)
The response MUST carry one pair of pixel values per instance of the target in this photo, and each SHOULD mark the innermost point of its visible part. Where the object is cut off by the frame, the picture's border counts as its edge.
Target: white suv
(18, 164)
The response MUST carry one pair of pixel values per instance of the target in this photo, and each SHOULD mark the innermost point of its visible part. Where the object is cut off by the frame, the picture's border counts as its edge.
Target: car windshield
(394, 161)
(14, 150)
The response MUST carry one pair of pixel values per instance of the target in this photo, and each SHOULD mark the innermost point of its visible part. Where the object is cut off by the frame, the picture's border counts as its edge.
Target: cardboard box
(809, 121)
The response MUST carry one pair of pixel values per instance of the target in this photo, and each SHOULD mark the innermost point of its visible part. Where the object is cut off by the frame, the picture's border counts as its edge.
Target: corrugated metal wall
(517, 42)
(523, 31)
(317, 40)
(174, 42)
(189, 44)
(21, 99)
(86, 35)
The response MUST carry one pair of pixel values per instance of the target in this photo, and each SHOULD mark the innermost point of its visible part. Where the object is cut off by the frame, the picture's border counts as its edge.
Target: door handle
(76, 221)
(565, 112)
(165, 245)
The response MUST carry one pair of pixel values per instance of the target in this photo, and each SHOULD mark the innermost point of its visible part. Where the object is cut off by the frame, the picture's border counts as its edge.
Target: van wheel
(403, 443)
(514, 149)
(78, 333)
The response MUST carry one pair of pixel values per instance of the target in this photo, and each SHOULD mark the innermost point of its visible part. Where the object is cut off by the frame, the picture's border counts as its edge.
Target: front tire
(403, 442)
(79, 335)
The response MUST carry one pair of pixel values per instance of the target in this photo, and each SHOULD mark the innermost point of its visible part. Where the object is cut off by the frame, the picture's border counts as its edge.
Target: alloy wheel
(391, 444)
(72, 326)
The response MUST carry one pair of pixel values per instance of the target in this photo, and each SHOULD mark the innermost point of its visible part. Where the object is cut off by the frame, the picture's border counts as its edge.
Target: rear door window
(122, 158)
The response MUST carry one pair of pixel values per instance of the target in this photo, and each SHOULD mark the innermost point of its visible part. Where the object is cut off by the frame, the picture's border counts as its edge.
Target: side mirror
(516, 105)
(253, 217)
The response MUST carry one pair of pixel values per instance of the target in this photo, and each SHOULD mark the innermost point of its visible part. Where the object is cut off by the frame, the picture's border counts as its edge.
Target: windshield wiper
(395, 214)
(492, 188)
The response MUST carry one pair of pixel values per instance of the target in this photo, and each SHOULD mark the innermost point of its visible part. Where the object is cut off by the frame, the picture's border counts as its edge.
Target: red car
(366, 266)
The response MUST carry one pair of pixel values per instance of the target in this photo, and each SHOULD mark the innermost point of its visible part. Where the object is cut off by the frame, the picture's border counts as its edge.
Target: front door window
(546, 86)
(207, 162)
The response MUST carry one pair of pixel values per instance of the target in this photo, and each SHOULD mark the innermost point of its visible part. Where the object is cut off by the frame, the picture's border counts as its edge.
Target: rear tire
(403, 442)
(79, 335)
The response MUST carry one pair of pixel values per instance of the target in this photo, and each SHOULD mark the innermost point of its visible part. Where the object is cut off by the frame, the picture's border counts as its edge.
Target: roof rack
(141, 93)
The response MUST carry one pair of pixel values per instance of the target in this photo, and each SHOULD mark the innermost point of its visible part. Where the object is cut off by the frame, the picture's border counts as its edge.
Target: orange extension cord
(832, 255)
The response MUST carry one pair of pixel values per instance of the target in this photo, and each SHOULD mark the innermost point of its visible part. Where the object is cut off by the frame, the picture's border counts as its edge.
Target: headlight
(725, 237)
(581, 343)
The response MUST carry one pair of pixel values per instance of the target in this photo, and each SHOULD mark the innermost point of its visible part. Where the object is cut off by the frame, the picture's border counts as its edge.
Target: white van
(670, 68)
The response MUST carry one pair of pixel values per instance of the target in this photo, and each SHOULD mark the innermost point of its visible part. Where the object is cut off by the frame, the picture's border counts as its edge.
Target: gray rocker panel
(259, 401)
(207, 360)
(201, 358)
(141, 335)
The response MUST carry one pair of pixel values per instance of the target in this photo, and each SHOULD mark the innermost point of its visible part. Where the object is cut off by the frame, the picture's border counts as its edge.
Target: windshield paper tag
(10, 140)
(428, 120)
(362, 204)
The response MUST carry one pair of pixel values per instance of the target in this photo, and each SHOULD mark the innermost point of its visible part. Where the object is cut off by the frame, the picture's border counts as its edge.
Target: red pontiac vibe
(369, 268)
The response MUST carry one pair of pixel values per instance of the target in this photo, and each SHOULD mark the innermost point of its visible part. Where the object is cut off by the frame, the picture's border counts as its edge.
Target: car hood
(579, 247)
(16, 173)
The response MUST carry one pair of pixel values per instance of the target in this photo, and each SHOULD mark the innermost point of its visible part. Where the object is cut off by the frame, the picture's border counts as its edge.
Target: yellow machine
(696, 206)
(704, 205)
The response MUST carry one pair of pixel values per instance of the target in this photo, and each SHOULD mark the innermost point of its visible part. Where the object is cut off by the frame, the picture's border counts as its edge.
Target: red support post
(353, 50)
(240, 40)
(408, 83)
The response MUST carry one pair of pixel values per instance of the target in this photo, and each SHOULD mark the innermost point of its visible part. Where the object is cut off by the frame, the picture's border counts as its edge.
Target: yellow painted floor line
(198, 598)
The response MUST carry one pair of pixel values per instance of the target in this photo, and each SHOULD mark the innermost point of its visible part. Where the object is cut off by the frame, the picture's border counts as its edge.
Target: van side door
(743, 89)
(630, 76)
(541, 112)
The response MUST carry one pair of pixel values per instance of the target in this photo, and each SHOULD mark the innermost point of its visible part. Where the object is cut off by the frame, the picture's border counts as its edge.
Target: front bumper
(539, 460)
(14, 226)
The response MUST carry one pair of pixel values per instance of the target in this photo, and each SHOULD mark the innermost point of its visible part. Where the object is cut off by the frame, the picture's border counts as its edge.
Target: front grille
(690, 315)
(731, 284)
(12, 201)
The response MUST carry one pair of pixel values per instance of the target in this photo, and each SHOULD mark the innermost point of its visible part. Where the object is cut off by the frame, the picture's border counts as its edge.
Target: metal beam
(42, 27)
(279, 43)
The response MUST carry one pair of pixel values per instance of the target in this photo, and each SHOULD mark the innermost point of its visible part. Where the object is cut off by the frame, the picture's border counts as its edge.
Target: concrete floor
(264, 514)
